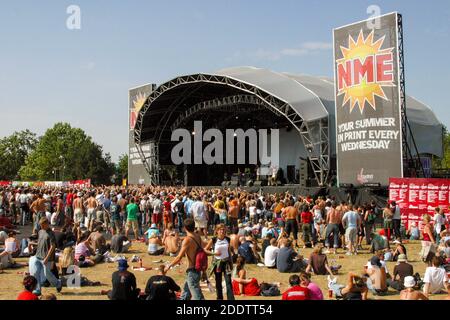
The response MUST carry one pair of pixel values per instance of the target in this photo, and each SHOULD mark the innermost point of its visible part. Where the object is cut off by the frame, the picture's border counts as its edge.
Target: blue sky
(49, 73)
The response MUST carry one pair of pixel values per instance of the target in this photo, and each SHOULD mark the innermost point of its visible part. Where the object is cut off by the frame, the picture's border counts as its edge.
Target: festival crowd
(219, 231)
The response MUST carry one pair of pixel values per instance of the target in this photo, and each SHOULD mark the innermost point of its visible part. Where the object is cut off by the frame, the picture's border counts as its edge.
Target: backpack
(269, 290)
(201, 258)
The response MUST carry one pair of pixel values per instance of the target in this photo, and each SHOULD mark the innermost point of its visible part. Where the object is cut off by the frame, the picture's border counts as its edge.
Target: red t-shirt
(27, 295)
(296, 293)
(306, 217)
(69, 199)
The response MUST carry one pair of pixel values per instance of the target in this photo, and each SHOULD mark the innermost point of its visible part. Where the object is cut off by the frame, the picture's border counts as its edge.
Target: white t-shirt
(437, 278)
(23, 198)
(222, 247)
(270, 256)
(48, 215)
(438, 222)
(53, 218)
(199, 211)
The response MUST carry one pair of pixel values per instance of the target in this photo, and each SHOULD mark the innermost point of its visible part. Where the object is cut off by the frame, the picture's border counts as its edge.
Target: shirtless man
(233, 213)
(334, 219)
(123, 213)
(191, 244)
(91, 205)
(234, 241)
(38, 210)
(78, 209)
(409, 293)
(172, 244)
(291, 215)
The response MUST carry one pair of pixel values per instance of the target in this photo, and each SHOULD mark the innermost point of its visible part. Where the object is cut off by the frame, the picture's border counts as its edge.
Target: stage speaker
(234, 184)
(257, 183)
(224, 183)
(303, 172)
(290, 174)
(250, 183)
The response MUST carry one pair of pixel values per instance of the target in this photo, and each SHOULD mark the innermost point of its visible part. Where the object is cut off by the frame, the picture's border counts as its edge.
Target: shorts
(292, 226)
(351, 235)
(388, 224)
(90, 214)
(132, 224)
(200, 223)
(78, 216)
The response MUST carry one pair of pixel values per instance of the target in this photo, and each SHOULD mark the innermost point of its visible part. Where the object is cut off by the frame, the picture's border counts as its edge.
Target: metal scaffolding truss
(408, 142)
(314, 134)
(246, 103)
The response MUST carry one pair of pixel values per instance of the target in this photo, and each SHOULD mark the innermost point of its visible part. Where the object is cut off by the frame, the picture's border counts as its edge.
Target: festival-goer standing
(45, 256)
(192, 243)
(351, 221)
(132, 212)
(222, 262)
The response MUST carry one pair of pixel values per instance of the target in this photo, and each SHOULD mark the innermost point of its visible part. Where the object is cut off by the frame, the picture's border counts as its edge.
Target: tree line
(63, 153)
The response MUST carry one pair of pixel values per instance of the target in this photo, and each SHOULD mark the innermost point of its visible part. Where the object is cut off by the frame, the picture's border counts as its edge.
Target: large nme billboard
(367, 97)
(137, 174)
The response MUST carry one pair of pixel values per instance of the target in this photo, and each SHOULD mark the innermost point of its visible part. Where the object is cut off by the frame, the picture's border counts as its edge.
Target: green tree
(123, 167)
(444, 162)
(14, 150)
(68, 154)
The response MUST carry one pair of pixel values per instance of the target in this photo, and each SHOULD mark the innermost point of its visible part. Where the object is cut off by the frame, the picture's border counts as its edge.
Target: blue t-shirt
(152, 231)
(352, 219)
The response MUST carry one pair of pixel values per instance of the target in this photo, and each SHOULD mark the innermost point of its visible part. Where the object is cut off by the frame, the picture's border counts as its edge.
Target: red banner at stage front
(5, 183)
(418, 196)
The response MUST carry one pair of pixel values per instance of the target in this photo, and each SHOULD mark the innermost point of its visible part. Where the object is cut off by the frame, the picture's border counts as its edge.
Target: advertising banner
(137, 174)
(367, 97)
(419, 196)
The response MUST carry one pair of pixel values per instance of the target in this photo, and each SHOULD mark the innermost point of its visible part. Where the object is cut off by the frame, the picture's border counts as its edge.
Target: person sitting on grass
(315, 293)
(319, 264)
(435, 278)
(413, 231)
(409, 293)
(83, 252)
(29, 283)
(402, 270)
(161, 287)
(155, 246)
(241, 285)
(296, 291)
(356, 288)
(172, 243)
(123, 284)
(288, 261)
(377, 281)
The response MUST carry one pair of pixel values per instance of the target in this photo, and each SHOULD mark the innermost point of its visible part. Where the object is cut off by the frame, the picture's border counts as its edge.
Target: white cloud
(306, 48)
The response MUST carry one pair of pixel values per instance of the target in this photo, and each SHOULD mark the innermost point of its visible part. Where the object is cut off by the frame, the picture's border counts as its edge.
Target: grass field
(10, 280)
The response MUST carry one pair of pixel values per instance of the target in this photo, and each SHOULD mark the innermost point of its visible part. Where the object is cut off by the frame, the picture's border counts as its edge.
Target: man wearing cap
(409, 293)
(376, 282)
(45, 256)
(402, 270)
(123, 284)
